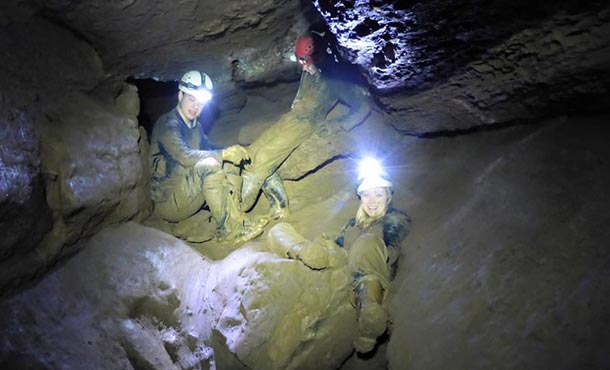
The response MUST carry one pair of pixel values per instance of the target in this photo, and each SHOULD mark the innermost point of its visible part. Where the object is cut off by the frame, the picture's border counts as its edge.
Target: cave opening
(156, 98)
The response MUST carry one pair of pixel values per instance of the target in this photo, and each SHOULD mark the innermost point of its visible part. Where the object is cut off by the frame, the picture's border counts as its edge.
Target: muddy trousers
(367, 261)
(276, 143)
(212, 187)
(270, 150)
(182, 195)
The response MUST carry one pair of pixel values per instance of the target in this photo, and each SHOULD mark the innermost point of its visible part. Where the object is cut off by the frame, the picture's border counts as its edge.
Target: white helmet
(374, 181)
(197, 84)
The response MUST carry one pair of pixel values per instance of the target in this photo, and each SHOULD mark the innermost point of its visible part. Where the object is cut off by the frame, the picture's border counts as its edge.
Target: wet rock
(523, 78)
(138, 297)
(502, 266)
(72, 160)
(25, 215)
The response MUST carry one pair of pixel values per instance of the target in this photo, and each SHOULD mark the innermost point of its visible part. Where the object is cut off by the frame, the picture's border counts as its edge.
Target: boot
(274, 191)
(250, 187)
(286, 242)
(372, 317)
(232, 225)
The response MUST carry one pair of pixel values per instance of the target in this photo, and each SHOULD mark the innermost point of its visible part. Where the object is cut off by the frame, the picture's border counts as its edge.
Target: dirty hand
(313, 256)
(337, 256)
(235, 154)
(207, 164)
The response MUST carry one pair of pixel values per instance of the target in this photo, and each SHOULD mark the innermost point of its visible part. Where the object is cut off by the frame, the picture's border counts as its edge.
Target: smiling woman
(370, 247)
(374, 202)
(372, 240)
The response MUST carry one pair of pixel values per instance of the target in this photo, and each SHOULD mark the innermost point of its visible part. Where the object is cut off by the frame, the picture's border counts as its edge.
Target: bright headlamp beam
(369, 167)
(202, 96)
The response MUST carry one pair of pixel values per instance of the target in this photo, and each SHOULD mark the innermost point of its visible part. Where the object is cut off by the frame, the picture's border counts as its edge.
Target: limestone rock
(507, 264)
(128, 101)
(92, 161)
(137, 297)
(280, 314)
(25, 216)
(88, 164)
(522, 78)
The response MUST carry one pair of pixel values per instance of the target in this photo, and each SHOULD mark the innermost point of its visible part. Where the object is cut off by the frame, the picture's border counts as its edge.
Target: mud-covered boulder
(135, 297)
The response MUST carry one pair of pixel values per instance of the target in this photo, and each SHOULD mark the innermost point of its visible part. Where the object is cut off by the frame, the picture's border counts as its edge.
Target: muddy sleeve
(340, 240)
(354, 97)
(173, 143)
(396, 227)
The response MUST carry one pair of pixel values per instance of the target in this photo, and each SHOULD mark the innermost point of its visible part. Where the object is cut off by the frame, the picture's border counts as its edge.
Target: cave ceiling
(434, 66)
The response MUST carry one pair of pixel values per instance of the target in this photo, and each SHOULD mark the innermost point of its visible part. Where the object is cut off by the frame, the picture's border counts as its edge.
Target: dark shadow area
(20, 361)
(156, 98)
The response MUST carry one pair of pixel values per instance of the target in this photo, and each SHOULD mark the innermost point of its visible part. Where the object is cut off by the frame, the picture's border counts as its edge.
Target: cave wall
(458, 65)
(556, 67)
(233, 41)
(138, 298)
(433, 65)
(507, 265)
(71, 152)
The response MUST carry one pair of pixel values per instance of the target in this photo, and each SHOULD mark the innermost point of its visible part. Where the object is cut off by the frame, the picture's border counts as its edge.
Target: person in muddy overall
(371, 241)
(321, 87)
(187, 170)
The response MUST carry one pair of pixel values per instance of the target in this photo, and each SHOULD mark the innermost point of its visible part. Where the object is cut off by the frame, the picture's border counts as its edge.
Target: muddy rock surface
(138, 298)
(507, 265)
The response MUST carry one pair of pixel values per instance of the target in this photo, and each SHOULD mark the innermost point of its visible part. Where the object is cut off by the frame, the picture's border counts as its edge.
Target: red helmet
(304, 49)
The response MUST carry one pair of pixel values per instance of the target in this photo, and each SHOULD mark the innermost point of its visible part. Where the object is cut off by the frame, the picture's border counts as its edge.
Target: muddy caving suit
(374, 252)
(372, 255)
(317, 95)
(181, 182)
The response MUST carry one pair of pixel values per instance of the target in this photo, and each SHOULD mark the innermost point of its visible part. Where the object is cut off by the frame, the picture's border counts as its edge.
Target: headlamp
(369, 167)
(304, 60)
(200, 93)
(203, 96)
(371, 175)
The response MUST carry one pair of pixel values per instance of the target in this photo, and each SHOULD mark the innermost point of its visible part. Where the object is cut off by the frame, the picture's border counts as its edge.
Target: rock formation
(506, 265)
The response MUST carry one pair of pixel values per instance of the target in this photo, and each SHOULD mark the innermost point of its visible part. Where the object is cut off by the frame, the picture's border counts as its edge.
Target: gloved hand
(337, 256)
(235, 154)
(314, 256)
(206, 165)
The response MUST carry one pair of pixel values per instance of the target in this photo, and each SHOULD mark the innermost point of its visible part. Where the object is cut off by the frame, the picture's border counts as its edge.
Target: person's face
(374, 201)
(189, 106)
(310, 68)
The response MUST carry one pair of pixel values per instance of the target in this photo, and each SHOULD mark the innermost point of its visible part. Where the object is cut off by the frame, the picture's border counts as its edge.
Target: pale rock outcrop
(135, 297)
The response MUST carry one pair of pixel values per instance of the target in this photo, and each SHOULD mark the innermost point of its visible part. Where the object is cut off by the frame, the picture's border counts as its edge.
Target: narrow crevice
(470, 130)
(319, 167)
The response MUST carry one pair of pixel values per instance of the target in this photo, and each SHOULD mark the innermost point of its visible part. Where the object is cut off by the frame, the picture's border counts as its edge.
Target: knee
(167, 211)
(208, 166)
